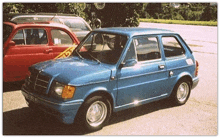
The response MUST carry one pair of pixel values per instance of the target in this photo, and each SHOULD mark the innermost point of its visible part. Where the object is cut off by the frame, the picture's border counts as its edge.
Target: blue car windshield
(101, 47)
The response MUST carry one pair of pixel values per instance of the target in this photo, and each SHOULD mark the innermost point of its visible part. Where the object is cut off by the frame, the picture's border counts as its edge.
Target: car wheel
(181, 92)
(94, 113)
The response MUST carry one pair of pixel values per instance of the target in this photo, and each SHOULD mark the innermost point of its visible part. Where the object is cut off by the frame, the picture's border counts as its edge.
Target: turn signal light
(68, 92)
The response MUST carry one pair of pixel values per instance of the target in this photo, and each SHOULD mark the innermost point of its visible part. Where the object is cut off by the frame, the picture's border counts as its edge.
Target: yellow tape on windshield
(66, 53)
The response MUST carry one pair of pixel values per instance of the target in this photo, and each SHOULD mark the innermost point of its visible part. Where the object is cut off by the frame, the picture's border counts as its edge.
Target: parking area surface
(197, 117)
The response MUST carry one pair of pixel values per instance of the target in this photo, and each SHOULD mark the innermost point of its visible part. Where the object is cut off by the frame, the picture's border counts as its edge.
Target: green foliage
(119, 14)
(116, 14)
(186, 11)
(71, 8)
(12, 7)
(153, 9)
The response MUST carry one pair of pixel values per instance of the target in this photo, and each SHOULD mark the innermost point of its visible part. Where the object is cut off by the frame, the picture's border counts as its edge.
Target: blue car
(120, 68)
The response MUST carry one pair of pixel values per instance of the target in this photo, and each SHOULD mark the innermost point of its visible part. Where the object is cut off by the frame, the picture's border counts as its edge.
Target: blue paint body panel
(141, 83)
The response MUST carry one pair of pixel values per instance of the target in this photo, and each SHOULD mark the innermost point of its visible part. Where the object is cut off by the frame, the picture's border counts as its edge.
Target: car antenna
(53, 17)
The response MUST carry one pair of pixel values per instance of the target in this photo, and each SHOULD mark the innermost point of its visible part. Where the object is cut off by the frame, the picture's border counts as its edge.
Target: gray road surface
(197, 117)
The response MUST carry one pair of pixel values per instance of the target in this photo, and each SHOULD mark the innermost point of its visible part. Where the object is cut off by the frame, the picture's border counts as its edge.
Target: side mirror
(11, 43)
(5, 49)
(128, 63)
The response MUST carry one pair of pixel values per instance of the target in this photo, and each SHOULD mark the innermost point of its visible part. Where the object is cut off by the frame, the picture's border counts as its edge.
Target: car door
(31, 46)
(176, 60)
(145, 80)
(61, 40)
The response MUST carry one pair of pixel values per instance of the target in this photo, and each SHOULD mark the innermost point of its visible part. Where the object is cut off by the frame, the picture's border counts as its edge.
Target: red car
(29, 43)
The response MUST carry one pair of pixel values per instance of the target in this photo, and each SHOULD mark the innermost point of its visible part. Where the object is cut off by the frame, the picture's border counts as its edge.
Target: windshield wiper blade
(79, 54)
(95, 58)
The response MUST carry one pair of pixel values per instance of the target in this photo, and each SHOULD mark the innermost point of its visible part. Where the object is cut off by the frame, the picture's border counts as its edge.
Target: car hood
(74, 71)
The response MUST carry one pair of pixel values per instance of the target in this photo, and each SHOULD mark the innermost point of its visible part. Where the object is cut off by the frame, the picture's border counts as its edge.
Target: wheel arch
(100, 91)
(180, 78)
(185, 75)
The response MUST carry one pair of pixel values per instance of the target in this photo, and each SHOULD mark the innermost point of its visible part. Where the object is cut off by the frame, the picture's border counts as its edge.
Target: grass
(203, 23)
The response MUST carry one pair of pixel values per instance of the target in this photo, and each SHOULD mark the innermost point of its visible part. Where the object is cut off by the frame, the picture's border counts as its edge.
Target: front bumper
(64, 112)
(195, 82)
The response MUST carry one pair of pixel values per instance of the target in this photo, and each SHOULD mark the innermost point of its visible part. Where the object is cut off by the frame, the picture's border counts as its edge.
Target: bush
(177, 16)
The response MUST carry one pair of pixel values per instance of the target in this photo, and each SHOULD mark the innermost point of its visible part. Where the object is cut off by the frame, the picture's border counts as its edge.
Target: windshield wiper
(94, 58)
(79, 54)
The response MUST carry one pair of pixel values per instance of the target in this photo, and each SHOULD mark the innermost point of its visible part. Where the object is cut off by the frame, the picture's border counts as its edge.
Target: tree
(116, 14)
(154, 9)
(209, 12)
(72, 8)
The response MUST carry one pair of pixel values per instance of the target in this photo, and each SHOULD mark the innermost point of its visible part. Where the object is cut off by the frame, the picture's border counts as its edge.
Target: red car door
(31, 46)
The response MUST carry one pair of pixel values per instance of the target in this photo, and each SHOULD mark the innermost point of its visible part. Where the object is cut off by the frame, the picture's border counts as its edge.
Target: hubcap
(96, 113)
(182, 91)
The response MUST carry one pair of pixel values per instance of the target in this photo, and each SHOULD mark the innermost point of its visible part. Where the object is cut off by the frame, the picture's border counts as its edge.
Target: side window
(60, 37)
(19, 38)
(30, 37)
(130, 53)
(172, 47)
(147, 48)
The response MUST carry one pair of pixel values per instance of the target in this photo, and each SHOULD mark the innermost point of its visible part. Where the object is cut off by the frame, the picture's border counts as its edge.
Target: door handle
(161, 66)
(48, 50)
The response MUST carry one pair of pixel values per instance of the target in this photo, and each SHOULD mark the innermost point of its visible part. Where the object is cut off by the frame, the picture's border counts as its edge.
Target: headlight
(58, 90)
(64, 91)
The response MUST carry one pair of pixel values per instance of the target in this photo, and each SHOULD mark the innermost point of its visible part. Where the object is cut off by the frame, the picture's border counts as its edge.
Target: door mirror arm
(128, 63)
(11, 43)
(121, 65)
(5, 49)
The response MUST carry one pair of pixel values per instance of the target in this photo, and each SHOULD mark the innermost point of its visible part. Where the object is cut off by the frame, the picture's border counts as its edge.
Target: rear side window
(60, 37)
(172, 47)
(30, 37)
(147, 48)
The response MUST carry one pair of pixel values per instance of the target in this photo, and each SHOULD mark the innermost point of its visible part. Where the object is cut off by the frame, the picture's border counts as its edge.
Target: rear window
(7, 29)
(75, 24)
(31, 19)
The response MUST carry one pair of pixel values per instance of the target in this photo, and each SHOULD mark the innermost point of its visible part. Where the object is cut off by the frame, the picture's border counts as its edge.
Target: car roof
(134, 31)
(38, 24)
(57, 16)
(41, 15)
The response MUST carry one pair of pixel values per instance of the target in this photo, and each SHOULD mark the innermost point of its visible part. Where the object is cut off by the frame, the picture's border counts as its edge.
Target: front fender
(94, 90)
(101, 90)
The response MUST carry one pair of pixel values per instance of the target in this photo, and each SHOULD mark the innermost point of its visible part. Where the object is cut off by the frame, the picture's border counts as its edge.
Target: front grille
(37, 82)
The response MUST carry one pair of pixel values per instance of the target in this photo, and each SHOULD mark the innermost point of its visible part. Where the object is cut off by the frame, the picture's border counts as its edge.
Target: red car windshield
(7, 29)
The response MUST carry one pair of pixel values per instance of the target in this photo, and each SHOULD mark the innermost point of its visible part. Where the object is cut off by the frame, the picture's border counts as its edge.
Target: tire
(181, 92)
(94, 113)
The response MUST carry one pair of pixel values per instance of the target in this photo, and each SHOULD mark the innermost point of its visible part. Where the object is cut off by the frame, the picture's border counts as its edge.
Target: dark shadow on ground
(12, 86)
(25, 121)
(28, 122)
